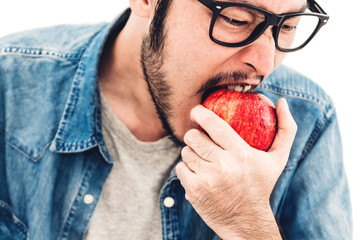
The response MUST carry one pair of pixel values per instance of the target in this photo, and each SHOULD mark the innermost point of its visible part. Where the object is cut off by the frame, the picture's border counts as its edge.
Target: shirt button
(88, 199)
(169, 202)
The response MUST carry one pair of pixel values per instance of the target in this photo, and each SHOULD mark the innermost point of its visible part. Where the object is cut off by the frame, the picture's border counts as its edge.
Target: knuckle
(206, 118)
(179, 169)
(293, 127)
(190, 159)
(210, 153)
(192, 191)
(220, 133)
(292, 122)
(185, 152)
(196, 188)
(210, 122)
(289, 127)
(191, 136)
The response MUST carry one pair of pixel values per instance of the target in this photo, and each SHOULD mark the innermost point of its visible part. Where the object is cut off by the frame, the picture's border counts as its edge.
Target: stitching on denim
(39, 52)
(71, 100)
(283, 196)
(97, 117)
(77, 200)
(289, 167)
(20, 224)
(318, 129)
(169, 229)
(34, 159)
(15, 147)
(98, 133)
(75, 146)
(326, 107)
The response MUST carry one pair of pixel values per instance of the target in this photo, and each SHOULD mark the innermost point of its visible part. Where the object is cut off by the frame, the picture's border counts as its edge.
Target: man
(93, 120)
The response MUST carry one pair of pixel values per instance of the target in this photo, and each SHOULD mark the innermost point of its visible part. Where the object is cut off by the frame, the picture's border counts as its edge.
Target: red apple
(251, 115)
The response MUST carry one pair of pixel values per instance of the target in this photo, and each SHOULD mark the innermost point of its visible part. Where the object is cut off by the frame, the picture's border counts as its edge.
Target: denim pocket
(29, 149)
(11, 227)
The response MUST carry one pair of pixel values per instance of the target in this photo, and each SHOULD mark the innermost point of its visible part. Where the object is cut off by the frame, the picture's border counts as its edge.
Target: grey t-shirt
(129, 204)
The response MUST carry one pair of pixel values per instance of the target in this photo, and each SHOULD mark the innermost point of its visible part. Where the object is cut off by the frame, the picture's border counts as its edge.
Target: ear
(142, 8)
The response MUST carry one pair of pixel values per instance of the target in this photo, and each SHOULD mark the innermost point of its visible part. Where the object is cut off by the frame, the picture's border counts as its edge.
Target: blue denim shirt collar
(80, 130)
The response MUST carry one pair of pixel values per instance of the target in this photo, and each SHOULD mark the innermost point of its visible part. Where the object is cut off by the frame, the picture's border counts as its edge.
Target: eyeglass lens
(236, 24)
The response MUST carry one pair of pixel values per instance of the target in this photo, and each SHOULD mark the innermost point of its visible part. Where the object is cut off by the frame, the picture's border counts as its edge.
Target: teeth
(240, 88)
(247, 88)
(231, 87)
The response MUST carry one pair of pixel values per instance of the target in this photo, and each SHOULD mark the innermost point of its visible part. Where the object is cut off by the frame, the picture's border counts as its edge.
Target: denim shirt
(54, 163)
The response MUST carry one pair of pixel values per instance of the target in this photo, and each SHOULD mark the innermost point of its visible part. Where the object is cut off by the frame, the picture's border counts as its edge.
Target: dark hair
(157, 31)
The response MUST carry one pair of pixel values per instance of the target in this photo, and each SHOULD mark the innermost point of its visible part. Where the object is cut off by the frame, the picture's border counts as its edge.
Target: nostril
(250, 65)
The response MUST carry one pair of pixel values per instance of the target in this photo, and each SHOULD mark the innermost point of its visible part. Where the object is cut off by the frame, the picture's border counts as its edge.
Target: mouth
(243, 88)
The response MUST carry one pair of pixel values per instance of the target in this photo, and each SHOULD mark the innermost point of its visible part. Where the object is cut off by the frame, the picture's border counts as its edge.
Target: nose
(260, 54)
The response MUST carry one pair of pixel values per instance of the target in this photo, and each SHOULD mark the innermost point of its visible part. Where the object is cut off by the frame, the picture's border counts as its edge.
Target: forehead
(275, 6)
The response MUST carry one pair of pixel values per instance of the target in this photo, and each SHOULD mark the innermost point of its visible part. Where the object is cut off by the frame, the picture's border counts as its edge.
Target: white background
(332, 59)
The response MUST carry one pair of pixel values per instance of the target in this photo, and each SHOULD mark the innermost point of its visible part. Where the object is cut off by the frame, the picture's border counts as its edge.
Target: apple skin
(251, 115)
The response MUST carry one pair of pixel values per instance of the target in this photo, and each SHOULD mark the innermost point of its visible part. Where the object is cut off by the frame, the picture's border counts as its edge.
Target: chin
(178, 135)
(176, 141)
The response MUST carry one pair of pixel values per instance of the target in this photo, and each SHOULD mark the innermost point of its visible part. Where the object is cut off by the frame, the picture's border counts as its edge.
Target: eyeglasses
(236, 24)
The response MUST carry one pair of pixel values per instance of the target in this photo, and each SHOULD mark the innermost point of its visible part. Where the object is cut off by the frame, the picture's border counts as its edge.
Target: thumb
(286, 131)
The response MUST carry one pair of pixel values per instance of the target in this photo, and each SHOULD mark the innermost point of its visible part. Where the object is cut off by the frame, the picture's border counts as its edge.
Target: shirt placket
(169, 210)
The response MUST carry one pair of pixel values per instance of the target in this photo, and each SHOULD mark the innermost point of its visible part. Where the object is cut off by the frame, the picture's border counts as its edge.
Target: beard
(153, 54)
(152, 60)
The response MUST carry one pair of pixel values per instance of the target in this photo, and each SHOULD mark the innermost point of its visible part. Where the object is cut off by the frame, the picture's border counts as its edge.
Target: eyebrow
(300, 10)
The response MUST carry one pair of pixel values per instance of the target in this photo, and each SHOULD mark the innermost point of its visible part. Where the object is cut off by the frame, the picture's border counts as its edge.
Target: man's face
(189, 64)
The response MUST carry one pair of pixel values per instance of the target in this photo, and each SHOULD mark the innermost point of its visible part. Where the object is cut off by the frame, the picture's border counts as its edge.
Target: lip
(247, 82)
(253, 83)
(210, 90)
(232, 78)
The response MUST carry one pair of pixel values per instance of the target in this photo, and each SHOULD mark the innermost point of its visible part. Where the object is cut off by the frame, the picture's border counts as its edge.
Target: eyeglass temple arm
(314, 6)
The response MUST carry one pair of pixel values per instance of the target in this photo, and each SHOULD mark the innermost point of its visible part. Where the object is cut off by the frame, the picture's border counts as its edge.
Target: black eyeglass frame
(272, 19)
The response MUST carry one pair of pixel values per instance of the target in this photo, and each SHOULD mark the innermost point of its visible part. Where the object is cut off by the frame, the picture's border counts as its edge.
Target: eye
(233, 22)
(288, 28)
(291, 24)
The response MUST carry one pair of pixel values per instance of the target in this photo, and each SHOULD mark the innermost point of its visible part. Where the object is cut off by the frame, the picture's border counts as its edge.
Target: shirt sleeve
(317, 203)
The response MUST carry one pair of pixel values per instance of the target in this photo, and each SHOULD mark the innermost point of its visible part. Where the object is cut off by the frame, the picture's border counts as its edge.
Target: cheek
(187, 67)
(279, 58)
(187, 39)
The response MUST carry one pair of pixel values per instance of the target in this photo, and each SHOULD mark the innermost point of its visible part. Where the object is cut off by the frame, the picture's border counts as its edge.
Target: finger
(184, 174)
(286, 130)
(202, 145)
(192, 160)
(219, 130)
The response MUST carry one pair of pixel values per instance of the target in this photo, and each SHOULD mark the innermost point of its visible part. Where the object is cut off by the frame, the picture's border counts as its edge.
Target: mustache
(228, 78)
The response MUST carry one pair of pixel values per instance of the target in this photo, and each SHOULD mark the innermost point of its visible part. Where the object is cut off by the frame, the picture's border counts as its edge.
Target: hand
(229, 183)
